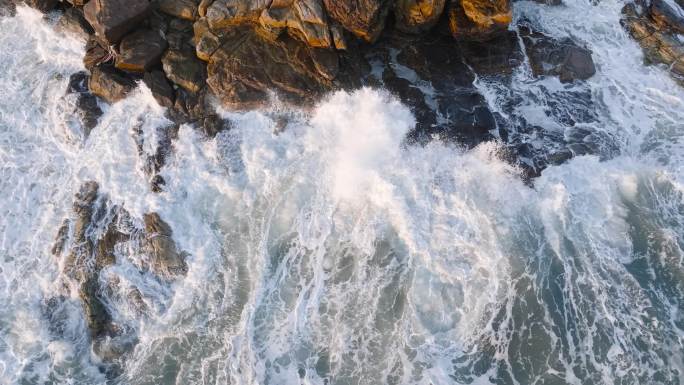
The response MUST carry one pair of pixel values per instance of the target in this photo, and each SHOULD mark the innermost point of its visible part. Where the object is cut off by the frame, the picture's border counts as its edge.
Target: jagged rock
(77, 3)
(203, 6)
(165, 259)
(74, 22)
(562, 58)
(363, 18)
(658, 38)
(183, 9)
(141, 50)
(112, 19)
(416, 16)
(109, 84)
(161, 89)
(42, 5)
(478, 19)
(668, 13)
(303, 19)
(88, 109)
(184, 69)
(246, 67)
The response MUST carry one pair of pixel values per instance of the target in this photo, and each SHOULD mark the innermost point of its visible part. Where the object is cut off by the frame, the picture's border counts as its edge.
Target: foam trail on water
(333, 252)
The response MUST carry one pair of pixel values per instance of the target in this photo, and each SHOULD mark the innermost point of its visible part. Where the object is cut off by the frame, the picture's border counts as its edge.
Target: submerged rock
(562, 58)
(165, 259)
(7, 8)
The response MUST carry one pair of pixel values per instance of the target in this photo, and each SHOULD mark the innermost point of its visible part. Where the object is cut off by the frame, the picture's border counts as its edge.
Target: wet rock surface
(657, 28)
(87, 245)
(113, 19)
(109, 84)
(562, 58)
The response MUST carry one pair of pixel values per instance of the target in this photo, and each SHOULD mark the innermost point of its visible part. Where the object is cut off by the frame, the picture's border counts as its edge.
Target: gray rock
(161, 89)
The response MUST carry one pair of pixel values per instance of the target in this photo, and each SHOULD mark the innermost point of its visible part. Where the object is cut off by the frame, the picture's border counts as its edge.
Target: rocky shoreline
(242, 54)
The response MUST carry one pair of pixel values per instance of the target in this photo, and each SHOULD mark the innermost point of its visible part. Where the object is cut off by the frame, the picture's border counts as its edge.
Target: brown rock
(141, 50)
(416, 16)
(184, 69)
(363, 18)
(478, 19)
(109, 84)
(95, 53)
(183, 9)
(73, 21)
(112, 19)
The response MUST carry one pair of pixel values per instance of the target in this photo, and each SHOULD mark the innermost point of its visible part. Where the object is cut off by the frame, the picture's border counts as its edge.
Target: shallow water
(334, 253)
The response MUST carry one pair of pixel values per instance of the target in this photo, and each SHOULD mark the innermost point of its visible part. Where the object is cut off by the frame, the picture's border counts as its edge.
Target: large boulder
(415, 16)
(303, 19)
(141, 50)
(112, 19)
(184, 69)
(562, 58)
(109, 84)
(363, 18)
(478, 19)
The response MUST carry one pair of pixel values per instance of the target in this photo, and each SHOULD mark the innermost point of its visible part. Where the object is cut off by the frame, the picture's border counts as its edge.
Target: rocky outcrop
(561, 58)
(86, 244)
(478, 19)
(161, 89)
(363, 18)
(141, 50)
(113, 19)
(657, 29)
